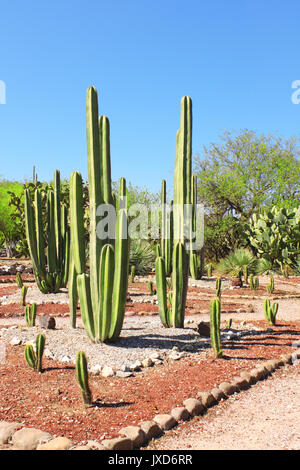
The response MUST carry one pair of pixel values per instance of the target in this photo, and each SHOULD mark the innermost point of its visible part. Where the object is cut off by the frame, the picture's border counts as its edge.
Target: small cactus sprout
(209, 270)
(132, 273)
(254, 282)
(215, 336)
(271, 286)
(229, 324)
(24, 293)
(34, 358)
(218, 287)
(30, 314)
(83, 377)
(152, 291)
(19, 280)
(270, 311)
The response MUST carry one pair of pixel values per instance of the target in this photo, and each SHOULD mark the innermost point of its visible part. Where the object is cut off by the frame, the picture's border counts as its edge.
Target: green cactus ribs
(102, 291)
(50, 262)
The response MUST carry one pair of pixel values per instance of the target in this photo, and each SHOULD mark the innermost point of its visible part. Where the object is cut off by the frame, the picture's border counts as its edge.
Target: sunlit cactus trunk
(103, 291)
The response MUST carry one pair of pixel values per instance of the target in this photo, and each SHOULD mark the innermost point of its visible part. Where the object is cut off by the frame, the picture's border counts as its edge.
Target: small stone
(124, 368)
(15, 341)
(29, 438)
(95, 445)
(227, 388)
(240, 382)
(180, 413)
(203, 329)
(136, 434)
(107, 372)
(287, 358)
(118, 443)
(58, 443)
(148, 362)
(136, 366)
(247, 376)
(165, 421)
(194, 406)
(207, 399)
(96, 369)
(122, 374)
(151, 429)
(47, 322)
(237, 282)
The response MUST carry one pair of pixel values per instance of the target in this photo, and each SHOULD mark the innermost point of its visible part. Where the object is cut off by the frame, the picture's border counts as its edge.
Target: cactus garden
(149, 225)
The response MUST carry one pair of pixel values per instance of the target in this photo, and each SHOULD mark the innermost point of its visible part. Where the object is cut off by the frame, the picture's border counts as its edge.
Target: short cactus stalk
(218, 287)
(132, 274)
(24, 291)
(209, 270)
(30, 314)
(19, 280)
(229, 323)
(270, 311)
(254, 282)
(83, 377)
(271, 286)
(152, 291)
(34, 358)
(245, 272)
(50, 263)
(103, 290)
(215, 335)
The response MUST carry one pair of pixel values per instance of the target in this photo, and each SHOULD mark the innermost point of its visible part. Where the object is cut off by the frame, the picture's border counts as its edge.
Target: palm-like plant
(142, 256)
(237, 263)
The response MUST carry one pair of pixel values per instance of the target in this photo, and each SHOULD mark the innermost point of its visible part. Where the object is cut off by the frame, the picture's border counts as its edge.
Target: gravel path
(265, 417)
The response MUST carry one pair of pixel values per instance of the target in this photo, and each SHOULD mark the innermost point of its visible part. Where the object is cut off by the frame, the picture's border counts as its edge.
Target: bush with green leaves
(142, 256)
(237, 263)
(275, 235)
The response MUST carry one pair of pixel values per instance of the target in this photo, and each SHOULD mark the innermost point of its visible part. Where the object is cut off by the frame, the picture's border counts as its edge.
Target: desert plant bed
(52, 402)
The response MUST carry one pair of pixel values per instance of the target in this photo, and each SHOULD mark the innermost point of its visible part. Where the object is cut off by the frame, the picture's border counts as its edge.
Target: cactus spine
(51, 271)
(102, 292)
(34, 359)
(30, 314)
(270, 311)
(215, 336)
(82, 377)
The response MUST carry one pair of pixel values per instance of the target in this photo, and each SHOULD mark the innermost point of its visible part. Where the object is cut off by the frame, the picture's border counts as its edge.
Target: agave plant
(237, 263)
(142, 256)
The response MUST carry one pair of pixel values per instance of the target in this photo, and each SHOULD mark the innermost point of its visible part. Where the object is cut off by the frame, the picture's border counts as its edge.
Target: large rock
(227, 388)
(29, 438)
(7, 430)
(151, 429)
(136, 434)
(118, 443)
(180, 413)
(58, 443)
(207, 399)
(194, 406)
(165, 421)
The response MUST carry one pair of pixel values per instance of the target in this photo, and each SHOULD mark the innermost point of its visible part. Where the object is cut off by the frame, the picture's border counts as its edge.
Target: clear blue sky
(236, 59)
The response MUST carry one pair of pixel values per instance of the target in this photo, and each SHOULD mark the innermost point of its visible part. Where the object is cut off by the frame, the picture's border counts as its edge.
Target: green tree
(242, 174)
(9, 232)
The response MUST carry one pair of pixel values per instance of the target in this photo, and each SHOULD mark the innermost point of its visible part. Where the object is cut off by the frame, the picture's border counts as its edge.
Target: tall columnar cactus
(102, 292)
(30, 314)
(215, 335)
(166, 229)
(270, 311)
(270, 287)
(83, 377)
(50, 268)
(34, 358)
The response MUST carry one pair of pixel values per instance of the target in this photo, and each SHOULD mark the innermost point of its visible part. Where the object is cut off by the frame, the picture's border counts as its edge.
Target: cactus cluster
(254, 282)
(30, 314)
(34, 358)
(102, 292)
(215, 320)
(271, 286)
(270, 311)
(50, 269)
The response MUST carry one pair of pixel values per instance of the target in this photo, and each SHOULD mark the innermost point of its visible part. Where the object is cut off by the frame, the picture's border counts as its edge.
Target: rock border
(17, 437)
